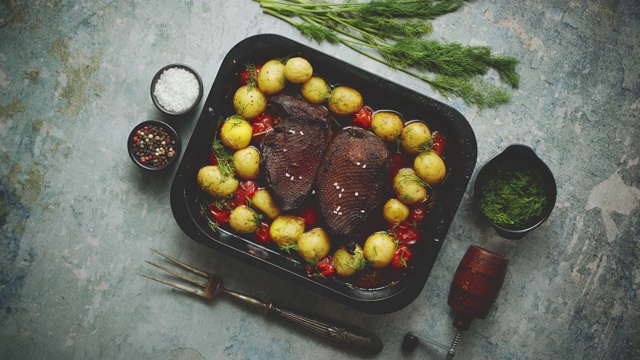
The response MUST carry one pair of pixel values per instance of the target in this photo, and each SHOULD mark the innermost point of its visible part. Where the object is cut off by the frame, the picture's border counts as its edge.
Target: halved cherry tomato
(363, 117)
(401, 258)
(406, 233)
(262, 234)
(309, 214)
(326, 267)
(250, 75)
(418, 212)
(213, 160)
(261, 124)
(439, 142)
(245, 192)
(219, 212)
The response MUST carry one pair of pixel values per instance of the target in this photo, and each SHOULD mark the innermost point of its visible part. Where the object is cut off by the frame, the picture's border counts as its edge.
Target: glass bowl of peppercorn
(153, 145)
(515, 191)
(176, 89)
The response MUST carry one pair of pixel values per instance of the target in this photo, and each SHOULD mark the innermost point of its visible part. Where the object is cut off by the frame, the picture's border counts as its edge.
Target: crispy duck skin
(292, 152)
(351, 182)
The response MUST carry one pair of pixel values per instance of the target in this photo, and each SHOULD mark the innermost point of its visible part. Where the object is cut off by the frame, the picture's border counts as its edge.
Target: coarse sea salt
(177, 89)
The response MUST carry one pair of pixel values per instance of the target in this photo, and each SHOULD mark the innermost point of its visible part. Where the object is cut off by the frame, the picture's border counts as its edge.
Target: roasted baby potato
(345, 101)
(236, 133)
(262, 201)
(314, 245)
(271, 77)
(215, 183)
(298, 70)
(395, 211)
(387, 125)
(409, 188)
(286, 230)
(347, 264)
(379, 249)
(430, 167)
(249, 102)
(315, 90)
(244, 220)
(247, 163)
(415, 137)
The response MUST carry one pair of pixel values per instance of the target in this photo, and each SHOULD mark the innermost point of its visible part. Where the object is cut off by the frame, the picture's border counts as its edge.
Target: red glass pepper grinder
(474, 289)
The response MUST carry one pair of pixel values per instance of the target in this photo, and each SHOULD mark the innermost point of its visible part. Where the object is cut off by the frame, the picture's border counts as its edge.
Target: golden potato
(215, 183)
(247, 163)
(286, 230)
(315, 90)
(244, 220)
(379, 249)
(409, 188)
(236, 133)
(271, 77)
(415, 137)
(298, 70)
(262, 201)
(314, 245)
(395, 211)
(249, 102)
(430, 167)
(347, 264)
(387, 125)
(345, 101)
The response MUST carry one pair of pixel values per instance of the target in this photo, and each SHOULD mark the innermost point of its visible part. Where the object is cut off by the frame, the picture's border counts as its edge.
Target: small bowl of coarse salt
(176, 89)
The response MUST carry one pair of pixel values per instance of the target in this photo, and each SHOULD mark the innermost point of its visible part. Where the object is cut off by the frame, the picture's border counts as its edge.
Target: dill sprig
(391, 32)
(223, 156)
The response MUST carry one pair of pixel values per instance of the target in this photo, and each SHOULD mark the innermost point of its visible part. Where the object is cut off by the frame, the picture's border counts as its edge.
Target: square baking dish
(378, 93)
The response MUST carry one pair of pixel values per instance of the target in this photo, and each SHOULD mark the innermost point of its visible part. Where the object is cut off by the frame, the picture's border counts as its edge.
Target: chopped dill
(513, 198)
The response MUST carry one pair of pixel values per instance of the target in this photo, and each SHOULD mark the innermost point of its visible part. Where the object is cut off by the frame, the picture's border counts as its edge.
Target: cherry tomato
(406, 233)
(213, 160)
(401, 258)
(309, 214)
(363, 117)
(326, 267)
(398, 162)
(261, 124)
(262, 234)
(439, 142)
(219, 212)
(250, 75)
(245, 192)
(418, 212)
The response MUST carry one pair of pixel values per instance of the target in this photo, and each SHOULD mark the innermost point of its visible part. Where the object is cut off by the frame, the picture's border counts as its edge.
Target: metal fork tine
(188, 267)
(178, 286)
(190, 279)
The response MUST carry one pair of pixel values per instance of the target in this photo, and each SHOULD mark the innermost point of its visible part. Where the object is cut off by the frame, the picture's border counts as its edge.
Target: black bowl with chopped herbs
(153, 145)
(515, 191)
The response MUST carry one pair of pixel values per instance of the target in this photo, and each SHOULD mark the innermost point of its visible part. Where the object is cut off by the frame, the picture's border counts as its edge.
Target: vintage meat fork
(347, 336)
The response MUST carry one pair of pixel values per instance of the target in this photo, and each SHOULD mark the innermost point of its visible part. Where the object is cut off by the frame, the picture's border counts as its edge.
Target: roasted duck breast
(292, 152)
(352, 182)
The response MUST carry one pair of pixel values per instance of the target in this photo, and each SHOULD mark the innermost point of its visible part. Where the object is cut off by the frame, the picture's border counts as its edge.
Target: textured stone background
(78, 218)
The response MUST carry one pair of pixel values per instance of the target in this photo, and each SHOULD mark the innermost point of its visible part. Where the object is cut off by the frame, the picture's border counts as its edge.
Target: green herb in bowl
(512, 198)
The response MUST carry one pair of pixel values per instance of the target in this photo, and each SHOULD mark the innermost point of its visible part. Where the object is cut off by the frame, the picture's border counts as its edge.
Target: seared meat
(291, 154)
(352, 182)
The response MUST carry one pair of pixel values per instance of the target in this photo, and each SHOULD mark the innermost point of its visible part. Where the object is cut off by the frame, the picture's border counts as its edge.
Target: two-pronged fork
(210, 285)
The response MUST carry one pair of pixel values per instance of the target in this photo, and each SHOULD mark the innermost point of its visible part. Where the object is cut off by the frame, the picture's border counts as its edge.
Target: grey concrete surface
(78, 219)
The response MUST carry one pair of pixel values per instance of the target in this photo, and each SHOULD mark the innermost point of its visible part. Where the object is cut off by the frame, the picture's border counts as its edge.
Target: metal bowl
(517, 157)
(185, 109)
(379, 93)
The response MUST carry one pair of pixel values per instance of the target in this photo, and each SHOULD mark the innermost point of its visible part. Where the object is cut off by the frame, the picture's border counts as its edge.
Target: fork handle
(348, 336)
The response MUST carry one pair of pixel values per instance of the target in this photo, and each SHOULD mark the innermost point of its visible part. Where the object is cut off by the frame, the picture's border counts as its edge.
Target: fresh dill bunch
(450, 59)
(426, 9)
(393, 28)
(317, 33)
(475, 91)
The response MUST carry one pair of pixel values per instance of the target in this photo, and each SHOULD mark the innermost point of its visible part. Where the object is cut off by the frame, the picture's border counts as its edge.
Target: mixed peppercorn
(153, 146)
